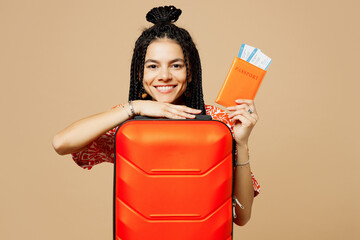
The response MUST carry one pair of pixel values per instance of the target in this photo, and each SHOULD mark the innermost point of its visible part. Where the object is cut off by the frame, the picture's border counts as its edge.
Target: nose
(165, 74)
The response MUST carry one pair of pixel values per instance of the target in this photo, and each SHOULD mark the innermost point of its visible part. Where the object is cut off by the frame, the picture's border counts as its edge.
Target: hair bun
(164, 15)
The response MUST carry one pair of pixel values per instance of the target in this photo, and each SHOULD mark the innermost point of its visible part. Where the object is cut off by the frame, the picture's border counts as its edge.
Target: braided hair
(163, 19)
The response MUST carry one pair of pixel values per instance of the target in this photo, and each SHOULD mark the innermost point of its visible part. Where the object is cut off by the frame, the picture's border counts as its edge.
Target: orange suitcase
(173, 180)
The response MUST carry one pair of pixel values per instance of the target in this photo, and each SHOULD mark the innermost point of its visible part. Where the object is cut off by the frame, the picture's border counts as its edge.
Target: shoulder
(218, 114)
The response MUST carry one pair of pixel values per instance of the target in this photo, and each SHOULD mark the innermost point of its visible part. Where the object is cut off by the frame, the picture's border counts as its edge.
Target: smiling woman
(165, 82)
(165, 72)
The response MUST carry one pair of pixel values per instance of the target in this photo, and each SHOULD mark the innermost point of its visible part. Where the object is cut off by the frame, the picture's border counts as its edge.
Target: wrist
(126, 108)
(243, 157)
(242, 146)
(137, 106)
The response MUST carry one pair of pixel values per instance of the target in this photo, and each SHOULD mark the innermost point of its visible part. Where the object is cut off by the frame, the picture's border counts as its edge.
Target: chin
(165, 100)
(172, 100)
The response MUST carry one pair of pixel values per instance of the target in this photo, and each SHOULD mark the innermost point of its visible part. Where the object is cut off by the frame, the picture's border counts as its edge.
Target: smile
(165, 89)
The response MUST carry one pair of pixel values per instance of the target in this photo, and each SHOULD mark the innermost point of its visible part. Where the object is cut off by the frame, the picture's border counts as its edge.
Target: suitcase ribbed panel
(173, 180)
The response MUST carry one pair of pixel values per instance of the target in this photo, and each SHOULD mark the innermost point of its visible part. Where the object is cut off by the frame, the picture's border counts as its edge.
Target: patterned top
(102, 149)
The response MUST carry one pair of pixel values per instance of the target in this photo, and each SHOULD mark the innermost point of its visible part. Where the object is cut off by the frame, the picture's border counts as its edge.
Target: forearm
(80, 133)
(243, 187)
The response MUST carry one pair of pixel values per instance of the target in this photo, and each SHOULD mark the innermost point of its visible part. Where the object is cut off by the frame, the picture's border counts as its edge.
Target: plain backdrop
(61, 61)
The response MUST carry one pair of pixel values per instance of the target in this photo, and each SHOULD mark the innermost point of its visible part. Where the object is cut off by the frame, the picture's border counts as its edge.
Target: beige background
(64, 60)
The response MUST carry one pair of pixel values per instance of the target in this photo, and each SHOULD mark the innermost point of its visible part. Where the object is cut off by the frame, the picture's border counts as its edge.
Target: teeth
(165, 88)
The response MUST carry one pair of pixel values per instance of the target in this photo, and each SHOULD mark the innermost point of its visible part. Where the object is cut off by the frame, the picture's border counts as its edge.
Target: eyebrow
(172, 61)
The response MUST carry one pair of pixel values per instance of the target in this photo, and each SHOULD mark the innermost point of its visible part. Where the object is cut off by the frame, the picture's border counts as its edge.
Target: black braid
(200, 96)
(163, 18)
(186, 66)
(142, 65)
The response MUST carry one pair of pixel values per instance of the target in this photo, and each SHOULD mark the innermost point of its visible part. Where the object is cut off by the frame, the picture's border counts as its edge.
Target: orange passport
(242, 82)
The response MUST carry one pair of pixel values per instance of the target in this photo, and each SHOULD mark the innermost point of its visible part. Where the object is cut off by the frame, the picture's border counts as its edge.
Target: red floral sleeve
(98, 151)
(219, 114)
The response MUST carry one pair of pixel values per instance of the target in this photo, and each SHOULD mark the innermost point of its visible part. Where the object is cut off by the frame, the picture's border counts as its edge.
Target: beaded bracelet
(125, 110)
(242, 164)
(132, 108)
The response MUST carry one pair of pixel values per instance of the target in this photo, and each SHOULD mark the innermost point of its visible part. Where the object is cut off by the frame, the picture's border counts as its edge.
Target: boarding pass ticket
(254, 56)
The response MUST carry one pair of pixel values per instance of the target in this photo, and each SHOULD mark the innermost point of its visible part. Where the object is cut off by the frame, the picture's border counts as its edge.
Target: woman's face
(165, 71)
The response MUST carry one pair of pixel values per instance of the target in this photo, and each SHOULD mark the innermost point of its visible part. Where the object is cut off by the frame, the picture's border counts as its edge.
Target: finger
(185, 111)
(180, 113)
(188, 109)
(249, 102)
(252, 115)
(243, 107)
(237, 107)
(169, 112)
(237, 111)
(173, 115)
(242, 112)
(244, 121)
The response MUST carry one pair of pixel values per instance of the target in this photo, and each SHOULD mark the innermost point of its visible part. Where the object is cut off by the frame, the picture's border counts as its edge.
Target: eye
(177, 65)
(152, 66)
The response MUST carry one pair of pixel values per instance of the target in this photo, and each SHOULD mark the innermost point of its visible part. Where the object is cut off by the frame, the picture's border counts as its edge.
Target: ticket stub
(252, 54)
(259, 59)
(245, 51)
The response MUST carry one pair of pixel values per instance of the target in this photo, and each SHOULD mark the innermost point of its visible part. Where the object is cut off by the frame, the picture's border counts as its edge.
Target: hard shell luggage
(173, 180)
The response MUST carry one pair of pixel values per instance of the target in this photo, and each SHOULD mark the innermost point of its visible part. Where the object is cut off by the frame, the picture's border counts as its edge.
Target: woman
(165, 82)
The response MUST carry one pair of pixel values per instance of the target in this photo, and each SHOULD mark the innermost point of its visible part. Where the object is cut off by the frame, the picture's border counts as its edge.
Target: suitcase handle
(197, 117)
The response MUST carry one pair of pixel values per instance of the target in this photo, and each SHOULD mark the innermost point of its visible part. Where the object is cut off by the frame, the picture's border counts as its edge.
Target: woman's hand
(243, 120)
(167, 110)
